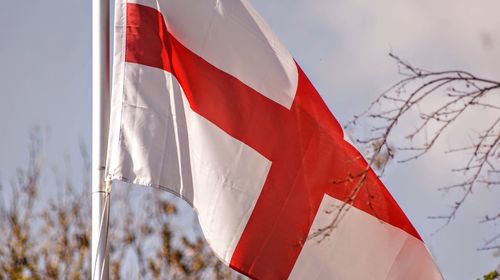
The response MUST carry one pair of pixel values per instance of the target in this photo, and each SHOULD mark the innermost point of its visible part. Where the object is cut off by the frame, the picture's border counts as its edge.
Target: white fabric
(361, 247)
(253, 54)
(225, 192)
(163, 143)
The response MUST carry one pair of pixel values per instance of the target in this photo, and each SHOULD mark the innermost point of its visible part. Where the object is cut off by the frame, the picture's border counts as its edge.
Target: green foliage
(492, 275)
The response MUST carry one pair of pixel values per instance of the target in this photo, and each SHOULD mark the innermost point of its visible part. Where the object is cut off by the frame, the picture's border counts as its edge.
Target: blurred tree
(51, 240)
(491, 276)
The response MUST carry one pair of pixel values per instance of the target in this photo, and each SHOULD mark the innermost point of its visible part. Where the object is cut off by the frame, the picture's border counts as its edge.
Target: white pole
(100, 125)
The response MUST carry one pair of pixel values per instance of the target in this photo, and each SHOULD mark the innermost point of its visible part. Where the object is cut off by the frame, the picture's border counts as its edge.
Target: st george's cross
(209, 105)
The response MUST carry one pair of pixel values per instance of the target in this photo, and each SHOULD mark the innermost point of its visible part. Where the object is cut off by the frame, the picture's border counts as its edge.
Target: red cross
(305, 145)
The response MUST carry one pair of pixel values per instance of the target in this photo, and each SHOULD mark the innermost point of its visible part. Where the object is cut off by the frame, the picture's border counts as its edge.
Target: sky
(45, 78)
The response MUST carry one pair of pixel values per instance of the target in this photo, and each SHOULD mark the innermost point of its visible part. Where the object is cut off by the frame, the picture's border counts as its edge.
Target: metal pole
(100, 125)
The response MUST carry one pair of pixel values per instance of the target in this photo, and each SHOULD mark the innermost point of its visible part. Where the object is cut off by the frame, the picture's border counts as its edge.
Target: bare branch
(441, 98)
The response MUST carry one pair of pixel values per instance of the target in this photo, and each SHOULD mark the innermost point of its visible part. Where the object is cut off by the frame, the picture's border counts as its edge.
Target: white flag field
(208, 104)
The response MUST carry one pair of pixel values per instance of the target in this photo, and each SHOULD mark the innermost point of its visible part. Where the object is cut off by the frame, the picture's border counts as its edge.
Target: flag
(208, 104)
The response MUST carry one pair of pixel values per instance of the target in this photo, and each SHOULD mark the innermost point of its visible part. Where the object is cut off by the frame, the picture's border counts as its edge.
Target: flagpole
(100, 125)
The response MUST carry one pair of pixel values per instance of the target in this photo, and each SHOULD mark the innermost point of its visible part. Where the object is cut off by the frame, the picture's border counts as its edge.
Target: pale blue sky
(45, 76)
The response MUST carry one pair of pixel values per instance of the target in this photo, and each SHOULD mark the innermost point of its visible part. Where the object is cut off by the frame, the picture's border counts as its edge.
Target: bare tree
(430, 102)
